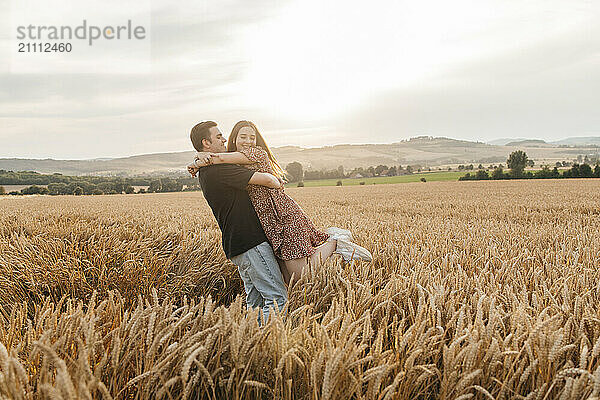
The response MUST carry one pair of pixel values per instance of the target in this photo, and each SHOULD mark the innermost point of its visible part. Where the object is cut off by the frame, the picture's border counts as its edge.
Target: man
(243, 238)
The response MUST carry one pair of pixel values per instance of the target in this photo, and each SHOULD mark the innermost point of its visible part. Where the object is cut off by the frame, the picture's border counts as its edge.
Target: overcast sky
(320, 72)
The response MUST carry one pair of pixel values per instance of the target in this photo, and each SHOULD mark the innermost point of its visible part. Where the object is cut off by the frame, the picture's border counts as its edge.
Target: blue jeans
(262, 278)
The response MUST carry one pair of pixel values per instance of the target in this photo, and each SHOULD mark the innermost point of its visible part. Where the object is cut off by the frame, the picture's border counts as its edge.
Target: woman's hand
(192, 169)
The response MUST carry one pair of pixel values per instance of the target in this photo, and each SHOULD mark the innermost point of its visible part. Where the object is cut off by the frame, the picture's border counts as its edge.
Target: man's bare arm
(265, 179)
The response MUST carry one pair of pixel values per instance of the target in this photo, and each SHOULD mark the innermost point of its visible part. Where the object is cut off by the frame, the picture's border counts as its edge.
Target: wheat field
(477, 290)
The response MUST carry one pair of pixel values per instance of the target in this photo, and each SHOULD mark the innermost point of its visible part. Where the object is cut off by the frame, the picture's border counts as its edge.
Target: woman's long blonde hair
(260, 142)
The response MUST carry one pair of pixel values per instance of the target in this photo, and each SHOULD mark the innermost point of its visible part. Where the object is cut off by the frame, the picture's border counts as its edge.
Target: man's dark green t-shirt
(224, 188)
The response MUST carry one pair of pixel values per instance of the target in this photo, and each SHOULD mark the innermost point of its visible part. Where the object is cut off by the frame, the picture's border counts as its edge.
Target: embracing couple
(265, 233)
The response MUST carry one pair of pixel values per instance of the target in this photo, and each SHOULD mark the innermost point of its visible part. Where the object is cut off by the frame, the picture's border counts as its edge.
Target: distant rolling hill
(529, 143)
(580, 141)
(423, 150)
(573, 141)
(503, 141)
(135, 165)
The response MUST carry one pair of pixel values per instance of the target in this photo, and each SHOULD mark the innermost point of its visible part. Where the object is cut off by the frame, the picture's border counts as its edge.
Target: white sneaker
(352, 251)
(339, 233)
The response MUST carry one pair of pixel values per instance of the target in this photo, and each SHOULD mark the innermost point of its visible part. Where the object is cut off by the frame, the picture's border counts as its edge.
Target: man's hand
(282, 182)
(192, 169)
(265, 179)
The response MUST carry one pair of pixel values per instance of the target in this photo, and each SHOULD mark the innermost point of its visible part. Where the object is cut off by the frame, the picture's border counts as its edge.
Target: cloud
(193, 56)
(521, 94)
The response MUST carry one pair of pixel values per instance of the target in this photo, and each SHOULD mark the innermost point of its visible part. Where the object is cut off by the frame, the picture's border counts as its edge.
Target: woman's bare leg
(295, 267)
(284, 271)
(323, 252)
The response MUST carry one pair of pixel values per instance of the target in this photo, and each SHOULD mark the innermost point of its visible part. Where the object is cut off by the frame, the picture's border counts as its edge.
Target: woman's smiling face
(246, 138)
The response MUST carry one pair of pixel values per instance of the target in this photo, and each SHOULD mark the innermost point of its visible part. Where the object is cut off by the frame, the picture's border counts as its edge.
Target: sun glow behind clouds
(318, 59)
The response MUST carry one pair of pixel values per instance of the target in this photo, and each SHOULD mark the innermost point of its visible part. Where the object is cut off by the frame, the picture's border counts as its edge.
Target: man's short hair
(199, 132)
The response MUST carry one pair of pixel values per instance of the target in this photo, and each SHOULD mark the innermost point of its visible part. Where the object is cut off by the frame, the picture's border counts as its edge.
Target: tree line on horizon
(518, 160)
(58, 184)
(296, 173)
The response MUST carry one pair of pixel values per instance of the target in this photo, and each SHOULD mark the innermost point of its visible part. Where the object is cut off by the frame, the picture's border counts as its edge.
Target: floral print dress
(291, 233)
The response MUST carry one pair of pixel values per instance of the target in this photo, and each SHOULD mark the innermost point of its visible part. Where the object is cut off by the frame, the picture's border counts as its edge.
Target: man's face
(217, 144)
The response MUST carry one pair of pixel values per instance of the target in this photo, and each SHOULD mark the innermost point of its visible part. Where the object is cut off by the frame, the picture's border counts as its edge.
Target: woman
(294, 238)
